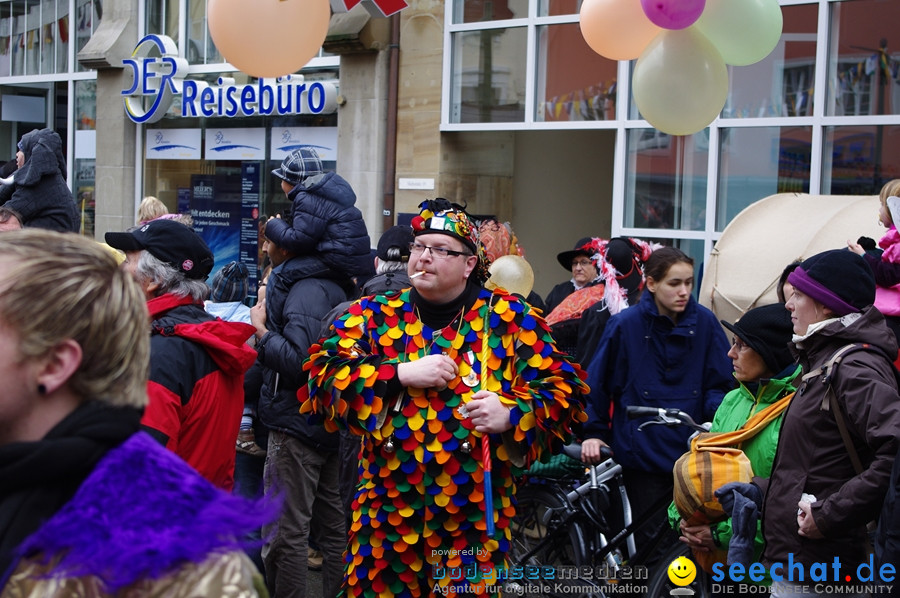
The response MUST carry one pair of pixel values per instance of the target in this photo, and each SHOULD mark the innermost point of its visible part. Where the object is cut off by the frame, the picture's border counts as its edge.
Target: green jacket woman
(766, 372)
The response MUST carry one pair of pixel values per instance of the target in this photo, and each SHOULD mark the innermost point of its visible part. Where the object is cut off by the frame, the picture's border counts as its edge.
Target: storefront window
(488, 78)
(474, 11)
(574, 83)
(862, 68)
(201, 49)
(85, 152)
(34, 34)
(666, 181)
(760, 161)
(550, 8)
(859, 160)
(790, 68)
(161, 17)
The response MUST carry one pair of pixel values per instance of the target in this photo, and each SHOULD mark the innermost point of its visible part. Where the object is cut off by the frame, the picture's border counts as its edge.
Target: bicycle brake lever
(649, 423)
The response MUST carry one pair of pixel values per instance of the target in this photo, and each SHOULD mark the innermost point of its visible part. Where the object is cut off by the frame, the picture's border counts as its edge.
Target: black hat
(299, 164)
(566, 258)
(171, 242)
(398, 238)
(767, 330)
(625, 258)
(839, 279)
(230, 284)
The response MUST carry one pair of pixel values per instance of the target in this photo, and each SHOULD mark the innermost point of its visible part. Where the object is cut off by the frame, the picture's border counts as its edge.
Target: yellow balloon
(680, 82)
(268, 38)
(513, 273)
(616, 29)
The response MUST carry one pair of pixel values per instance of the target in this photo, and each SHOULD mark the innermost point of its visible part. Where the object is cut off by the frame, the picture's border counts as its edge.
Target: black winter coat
(299, 294)
(324, 221)
(41, 195)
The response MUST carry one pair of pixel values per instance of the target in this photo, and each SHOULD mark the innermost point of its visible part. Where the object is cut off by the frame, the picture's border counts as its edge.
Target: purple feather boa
(142, 513)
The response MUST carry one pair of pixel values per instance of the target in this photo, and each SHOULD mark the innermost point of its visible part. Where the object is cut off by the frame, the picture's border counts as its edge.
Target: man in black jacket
(302, 461)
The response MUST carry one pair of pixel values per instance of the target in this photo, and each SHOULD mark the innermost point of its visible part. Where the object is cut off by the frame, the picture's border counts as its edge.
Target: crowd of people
(384, 422)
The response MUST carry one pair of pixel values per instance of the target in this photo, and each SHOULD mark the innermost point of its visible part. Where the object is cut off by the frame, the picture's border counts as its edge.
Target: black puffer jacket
(41, 195)
(812, 458)
(324, 220)
(298, 296)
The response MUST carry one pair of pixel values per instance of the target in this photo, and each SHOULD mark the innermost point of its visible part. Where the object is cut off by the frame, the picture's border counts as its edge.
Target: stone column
(115, 191)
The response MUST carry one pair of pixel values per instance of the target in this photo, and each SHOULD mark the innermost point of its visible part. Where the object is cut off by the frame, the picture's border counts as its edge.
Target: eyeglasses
(438, 252)
(582, 263)
(739, 344)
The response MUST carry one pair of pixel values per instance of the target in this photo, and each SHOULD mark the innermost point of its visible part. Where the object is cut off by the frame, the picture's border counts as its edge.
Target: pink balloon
(616, 29)
(673, 14)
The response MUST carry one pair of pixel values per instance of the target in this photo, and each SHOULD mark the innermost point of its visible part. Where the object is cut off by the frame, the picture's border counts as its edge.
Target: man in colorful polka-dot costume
(412, 374)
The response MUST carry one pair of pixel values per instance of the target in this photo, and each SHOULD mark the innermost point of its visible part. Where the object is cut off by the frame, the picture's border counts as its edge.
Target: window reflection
(489, 76)
(474, 11)
(862, 68)
(35, 34)
(859, 160)
(574, 83)
(666, 181)
(758, 162)
(790, 68)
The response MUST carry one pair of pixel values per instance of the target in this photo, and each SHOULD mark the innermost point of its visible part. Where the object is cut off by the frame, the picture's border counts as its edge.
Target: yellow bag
(713, 461)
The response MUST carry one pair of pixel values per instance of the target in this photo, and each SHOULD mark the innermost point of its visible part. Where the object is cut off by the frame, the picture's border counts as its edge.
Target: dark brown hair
(662, 259)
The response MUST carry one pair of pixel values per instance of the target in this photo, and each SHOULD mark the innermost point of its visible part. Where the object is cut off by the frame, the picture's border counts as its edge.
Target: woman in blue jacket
(666, 351)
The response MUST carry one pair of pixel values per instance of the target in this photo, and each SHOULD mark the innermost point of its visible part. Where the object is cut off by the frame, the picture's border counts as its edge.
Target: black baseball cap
(170, 242)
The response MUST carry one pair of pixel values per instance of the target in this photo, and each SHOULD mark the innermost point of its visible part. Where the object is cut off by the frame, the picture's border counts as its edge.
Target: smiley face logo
(682, 571)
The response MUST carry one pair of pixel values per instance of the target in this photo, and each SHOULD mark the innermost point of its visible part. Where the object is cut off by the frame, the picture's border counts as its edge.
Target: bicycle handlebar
(665, 417)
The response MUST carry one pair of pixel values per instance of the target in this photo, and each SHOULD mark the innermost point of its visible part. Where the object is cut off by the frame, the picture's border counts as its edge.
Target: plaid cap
(299, 164)
(171, 242)
(231, 283)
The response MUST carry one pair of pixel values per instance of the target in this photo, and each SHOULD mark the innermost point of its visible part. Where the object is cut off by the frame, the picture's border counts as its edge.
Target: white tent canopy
(747, 261)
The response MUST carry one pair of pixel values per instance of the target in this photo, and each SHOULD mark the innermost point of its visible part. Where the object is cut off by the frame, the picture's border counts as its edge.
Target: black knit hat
(393, 246)
(566, 258)
(767, 330)
(839, 279)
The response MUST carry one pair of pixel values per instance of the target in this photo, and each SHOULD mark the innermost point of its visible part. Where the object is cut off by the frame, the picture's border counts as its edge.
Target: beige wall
(562, 191)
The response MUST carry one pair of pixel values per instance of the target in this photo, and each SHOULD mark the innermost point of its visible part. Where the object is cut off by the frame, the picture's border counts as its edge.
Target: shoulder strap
(830, 402)
(753, 426)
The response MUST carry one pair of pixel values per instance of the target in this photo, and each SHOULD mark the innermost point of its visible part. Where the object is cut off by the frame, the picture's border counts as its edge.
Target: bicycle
(562, 529)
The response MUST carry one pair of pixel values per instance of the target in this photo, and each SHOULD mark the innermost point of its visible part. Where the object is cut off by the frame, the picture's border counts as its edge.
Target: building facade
(498, 104)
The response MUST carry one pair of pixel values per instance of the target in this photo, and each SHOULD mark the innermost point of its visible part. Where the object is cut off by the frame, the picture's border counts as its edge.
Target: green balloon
(744, 31)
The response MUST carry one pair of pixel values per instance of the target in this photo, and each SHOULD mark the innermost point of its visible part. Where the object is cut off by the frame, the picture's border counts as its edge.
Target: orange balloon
(616, 29)
(268, 38)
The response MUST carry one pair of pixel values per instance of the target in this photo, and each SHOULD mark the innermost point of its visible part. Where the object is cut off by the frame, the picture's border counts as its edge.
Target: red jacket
(196, 392)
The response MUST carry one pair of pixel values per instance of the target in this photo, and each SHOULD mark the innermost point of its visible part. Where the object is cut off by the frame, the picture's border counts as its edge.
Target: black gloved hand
(725, 494)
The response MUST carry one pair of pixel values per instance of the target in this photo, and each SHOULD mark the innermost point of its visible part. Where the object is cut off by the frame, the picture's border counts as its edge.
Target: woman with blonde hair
(75, 355)
(150, 209)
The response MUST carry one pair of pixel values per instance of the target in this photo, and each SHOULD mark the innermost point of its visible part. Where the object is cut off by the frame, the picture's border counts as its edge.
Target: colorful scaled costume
(420, 506)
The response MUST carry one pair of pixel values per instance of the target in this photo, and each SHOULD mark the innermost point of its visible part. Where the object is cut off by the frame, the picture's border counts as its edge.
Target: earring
(42, 390)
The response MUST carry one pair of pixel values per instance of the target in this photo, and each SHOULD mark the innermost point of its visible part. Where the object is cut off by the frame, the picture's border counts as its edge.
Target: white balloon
(680, 82)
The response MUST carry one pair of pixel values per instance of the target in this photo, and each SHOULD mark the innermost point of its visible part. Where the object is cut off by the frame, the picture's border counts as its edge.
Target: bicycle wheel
(660, 586)
(544, 535)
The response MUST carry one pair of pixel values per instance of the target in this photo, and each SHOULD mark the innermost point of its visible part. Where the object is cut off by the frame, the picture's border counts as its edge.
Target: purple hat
(838, 279)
